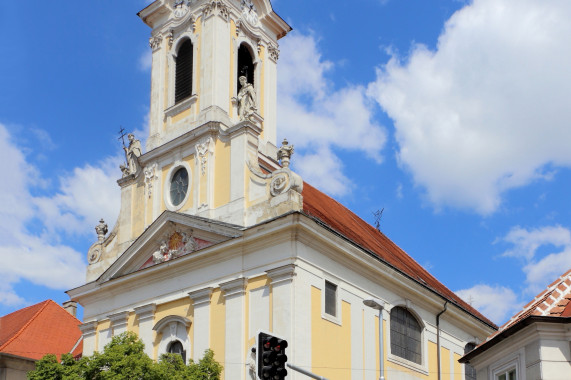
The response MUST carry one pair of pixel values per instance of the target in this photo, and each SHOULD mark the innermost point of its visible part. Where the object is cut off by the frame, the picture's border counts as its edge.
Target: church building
(218, 239)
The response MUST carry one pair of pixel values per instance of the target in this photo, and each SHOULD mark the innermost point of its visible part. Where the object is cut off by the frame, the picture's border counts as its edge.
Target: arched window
(469, 371)
(183, 72)
(245, 66)
(406, 335)
(175, 347)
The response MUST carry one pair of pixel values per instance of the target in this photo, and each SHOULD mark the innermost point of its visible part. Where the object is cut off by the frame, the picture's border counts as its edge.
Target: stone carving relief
(216, 7)
(177, 244)
(150, 177)
(274, 53)
(202, 150)
(180, 8)
(155, 42)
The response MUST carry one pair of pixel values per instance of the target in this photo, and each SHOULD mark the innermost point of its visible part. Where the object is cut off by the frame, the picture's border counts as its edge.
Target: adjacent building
(218, 239)
(534, 344)
(28, 334)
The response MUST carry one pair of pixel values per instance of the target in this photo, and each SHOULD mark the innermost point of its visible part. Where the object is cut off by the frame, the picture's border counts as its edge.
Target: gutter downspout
(438, 339)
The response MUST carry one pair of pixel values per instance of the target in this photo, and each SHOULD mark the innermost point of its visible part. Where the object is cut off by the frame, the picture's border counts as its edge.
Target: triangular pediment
(170, 237)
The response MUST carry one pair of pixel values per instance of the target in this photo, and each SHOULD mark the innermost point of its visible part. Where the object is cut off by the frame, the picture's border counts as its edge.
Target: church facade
(218, 239)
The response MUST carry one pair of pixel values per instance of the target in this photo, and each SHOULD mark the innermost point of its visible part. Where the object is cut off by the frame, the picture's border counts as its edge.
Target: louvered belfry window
(183, 76)
(405, 335)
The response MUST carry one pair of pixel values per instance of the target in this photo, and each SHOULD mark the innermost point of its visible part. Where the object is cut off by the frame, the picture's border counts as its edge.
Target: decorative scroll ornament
(155, 42)
(202, 149)
(150, 176)
(94, 255)
(177, 244)
(274, 53)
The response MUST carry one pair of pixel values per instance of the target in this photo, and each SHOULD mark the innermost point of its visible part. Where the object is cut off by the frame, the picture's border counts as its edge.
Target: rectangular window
(330, 298)
(507, 375)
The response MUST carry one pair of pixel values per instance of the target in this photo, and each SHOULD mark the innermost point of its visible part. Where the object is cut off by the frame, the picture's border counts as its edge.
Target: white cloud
(498, 303)
(31, 226)
(542, 266)
(318, 118)
(488, 110)
(146, 60)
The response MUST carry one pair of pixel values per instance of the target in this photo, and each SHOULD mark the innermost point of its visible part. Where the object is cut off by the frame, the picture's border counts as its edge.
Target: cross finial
(122, 134)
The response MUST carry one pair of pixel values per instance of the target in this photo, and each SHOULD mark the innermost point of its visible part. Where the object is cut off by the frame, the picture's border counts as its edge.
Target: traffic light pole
(307, 373)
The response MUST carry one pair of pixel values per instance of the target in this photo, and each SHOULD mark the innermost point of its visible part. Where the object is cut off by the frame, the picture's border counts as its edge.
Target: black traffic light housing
(271, 357)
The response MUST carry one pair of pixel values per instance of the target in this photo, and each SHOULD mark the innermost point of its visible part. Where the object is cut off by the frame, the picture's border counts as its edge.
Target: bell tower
(211, 150)
(200, 50)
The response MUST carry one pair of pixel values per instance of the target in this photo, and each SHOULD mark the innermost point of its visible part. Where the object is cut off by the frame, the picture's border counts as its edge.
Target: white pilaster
(146, 316)
(88, 330)
(119, 322)
(234, 294)
(201, 338)
(282, 295)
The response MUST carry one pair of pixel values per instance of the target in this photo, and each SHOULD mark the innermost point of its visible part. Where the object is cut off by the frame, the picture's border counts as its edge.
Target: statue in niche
(132, 154)
(246, 100)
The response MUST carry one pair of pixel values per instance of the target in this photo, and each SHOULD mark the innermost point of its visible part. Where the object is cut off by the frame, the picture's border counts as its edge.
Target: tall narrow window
(330, 298)
(183, 72)
(405, 335)
(245, 66)
(469, 371)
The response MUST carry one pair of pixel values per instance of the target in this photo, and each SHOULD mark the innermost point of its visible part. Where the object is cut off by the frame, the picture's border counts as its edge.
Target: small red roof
(555, 301)
(37, 330)
(342, 220)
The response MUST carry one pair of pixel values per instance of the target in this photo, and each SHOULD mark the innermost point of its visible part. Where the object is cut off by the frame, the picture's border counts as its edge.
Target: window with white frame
(406, 335)
(330, 298)
(509, 374)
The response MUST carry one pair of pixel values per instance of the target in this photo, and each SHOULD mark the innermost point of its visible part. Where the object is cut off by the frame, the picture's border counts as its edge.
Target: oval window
(179, 186)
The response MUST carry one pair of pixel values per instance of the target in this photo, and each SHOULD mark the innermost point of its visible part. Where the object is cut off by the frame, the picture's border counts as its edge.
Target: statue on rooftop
(132, 154)
(246, 100)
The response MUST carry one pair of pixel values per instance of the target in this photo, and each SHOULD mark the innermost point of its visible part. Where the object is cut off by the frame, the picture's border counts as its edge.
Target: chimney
(70, 307)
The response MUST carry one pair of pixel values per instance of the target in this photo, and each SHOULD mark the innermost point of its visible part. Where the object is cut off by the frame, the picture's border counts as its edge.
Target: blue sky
(452, 116)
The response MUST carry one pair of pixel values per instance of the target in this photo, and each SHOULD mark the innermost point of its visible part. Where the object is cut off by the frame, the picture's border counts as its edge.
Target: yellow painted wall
(217, 325)
(181, 115)
(138, 209)
(445, 363)
(164, 174)
(100, 326)
(190, 160)
(181, 307)
(432, 361)
(334, 363)
(133, 323)
(222, 174)
(457, 367)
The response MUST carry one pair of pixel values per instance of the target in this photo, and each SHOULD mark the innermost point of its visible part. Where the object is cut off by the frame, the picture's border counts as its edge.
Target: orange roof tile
(553, 301)
(37, 330)
(340, 219)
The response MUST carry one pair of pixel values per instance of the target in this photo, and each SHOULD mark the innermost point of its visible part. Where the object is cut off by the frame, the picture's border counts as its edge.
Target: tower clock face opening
(179, 186)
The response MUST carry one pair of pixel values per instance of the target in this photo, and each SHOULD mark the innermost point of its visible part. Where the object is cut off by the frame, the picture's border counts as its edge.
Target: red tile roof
(340, 219)
(555, 301)
(37, 330)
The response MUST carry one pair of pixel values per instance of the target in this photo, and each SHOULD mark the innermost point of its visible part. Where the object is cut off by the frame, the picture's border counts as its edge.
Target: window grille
(176, 348)
(469, 371)
(405, 335)
(330, 298)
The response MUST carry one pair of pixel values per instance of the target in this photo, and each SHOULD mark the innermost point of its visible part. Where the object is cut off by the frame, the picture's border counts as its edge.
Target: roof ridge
(21, 330)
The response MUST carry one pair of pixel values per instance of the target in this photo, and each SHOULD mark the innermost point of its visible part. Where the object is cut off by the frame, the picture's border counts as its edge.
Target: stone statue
(132, 154)
(246, 100)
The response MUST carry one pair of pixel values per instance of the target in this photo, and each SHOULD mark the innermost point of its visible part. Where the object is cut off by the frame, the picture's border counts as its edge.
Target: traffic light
(271, 357)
